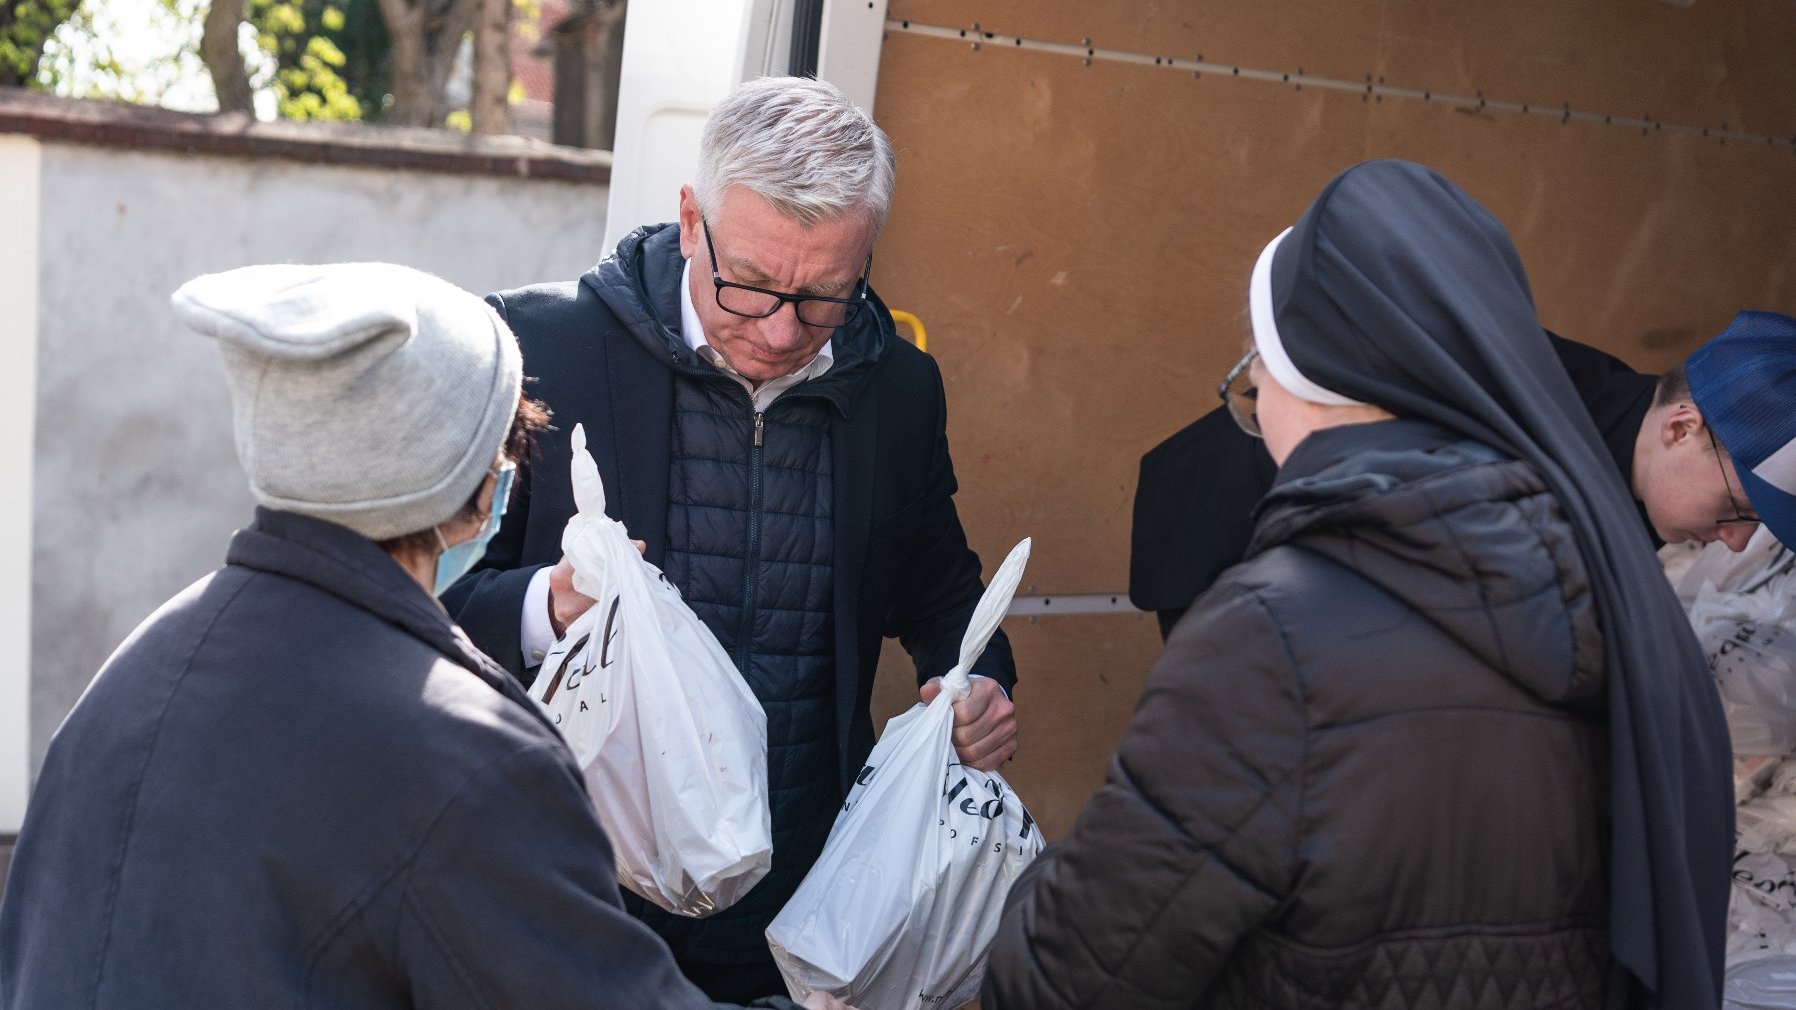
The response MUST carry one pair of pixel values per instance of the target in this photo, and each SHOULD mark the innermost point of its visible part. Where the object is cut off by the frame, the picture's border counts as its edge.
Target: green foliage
(526, 19)
(141, 51)
(321, 59)
(333, 58)
(25, 28)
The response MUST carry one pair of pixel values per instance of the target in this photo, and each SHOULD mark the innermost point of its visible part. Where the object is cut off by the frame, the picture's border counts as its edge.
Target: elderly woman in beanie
(297, 784)
(1443, 739)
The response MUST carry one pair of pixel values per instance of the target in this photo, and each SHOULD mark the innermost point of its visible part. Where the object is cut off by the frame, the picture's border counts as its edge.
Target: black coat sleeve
(1188, 846)
(1194, 509)
(938, 585)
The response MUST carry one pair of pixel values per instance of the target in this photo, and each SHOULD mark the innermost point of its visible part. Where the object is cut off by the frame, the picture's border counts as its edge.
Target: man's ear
(1680, 423)
(690, 224)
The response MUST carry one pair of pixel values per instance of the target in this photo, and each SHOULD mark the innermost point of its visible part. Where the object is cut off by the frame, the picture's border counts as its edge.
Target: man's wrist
(994, 680)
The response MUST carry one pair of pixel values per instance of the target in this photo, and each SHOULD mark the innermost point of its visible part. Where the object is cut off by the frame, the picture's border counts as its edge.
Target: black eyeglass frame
(1740, 517)
(1247, 420)
(852, 304)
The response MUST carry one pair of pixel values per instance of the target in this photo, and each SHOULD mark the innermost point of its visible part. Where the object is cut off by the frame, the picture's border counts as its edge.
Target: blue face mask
(456, 561)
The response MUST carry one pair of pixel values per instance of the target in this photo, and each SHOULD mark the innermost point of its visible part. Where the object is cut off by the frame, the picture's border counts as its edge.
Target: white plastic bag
(902, 905)
(1742, 607)
(1751, 649)
(672, 741)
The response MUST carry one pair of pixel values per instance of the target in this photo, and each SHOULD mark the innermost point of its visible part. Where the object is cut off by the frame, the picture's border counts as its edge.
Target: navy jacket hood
(649, 260)
(1429, 518)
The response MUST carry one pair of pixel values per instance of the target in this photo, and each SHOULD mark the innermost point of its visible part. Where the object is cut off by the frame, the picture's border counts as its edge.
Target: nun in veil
(1444, 738)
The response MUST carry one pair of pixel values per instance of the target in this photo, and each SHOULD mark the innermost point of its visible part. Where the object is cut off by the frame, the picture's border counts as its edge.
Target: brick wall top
(133, 127)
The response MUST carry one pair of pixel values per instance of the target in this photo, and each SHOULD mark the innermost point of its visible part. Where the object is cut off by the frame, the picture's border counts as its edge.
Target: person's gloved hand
(985, 731)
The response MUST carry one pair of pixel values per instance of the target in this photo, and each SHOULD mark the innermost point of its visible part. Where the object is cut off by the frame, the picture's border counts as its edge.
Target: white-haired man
(781, 452)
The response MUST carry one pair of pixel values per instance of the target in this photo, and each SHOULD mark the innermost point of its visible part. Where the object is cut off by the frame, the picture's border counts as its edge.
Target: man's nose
(1735, 535)
(783, 331)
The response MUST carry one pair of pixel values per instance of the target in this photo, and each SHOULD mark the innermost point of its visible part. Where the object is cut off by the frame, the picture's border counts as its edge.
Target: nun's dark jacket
(1365, 771)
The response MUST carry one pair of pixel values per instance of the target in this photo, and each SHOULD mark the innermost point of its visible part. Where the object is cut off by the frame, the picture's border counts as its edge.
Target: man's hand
(820, 1000)
(984, 722)
(566, 602)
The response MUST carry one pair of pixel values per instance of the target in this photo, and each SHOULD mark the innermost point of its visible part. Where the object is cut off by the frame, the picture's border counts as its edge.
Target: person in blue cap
(1742, 386)
(1444, 739)
(1196, 492)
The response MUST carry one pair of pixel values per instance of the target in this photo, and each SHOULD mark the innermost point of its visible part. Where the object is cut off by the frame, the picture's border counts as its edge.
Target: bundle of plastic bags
(1741, 608)
(672, 741)
(901, 907)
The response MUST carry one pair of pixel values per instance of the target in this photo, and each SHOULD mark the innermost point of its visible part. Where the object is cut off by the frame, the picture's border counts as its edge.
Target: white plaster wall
(20, 172)
(137, 486)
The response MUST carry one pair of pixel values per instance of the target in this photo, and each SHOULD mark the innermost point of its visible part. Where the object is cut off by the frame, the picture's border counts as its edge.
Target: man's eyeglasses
(1740, 515)
(759, 303)
(1242, 397)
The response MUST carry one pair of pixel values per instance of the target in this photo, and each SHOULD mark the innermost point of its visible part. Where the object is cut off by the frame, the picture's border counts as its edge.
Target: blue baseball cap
(1744, 382)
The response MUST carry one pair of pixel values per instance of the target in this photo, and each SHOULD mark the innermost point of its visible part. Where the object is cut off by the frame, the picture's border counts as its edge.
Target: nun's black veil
(1399, 290)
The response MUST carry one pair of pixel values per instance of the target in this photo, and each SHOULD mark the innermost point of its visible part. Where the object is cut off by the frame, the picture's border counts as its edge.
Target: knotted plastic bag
(901, 907)
(671, 740)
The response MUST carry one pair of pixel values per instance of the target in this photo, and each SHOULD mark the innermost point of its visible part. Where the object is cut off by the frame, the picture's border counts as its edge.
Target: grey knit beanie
(367, 394)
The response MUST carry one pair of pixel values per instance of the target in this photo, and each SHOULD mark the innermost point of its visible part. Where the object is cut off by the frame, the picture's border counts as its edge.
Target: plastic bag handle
(589, 490)
(986, 617)
(589, 513)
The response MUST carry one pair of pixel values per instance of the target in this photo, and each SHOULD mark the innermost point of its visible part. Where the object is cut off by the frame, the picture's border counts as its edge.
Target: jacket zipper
(751, 556)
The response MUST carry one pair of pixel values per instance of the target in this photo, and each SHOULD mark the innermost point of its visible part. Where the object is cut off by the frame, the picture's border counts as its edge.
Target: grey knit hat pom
(368, 394)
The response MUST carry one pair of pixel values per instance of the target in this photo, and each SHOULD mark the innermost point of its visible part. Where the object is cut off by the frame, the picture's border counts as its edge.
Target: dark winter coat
(1365, 773)
(299, 785)
(1195, 495)
(607, 353)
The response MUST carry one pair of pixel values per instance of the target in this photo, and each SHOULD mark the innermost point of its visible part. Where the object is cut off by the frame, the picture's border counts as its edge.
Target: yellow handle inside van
(916, 328)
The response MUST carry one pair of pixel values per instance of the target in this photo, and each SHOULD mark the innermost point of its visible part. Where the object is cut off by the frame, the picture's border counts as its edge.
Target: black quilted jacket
(1365, 773)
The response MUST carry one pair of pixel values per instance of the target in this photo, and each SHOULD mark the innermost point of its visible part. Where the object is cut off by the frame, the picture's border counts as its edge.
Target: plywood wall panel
(1707, 62)
(1623, 57)
(1341, 38)
(1075, 242)
(1077, 239)
(1644, 245)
